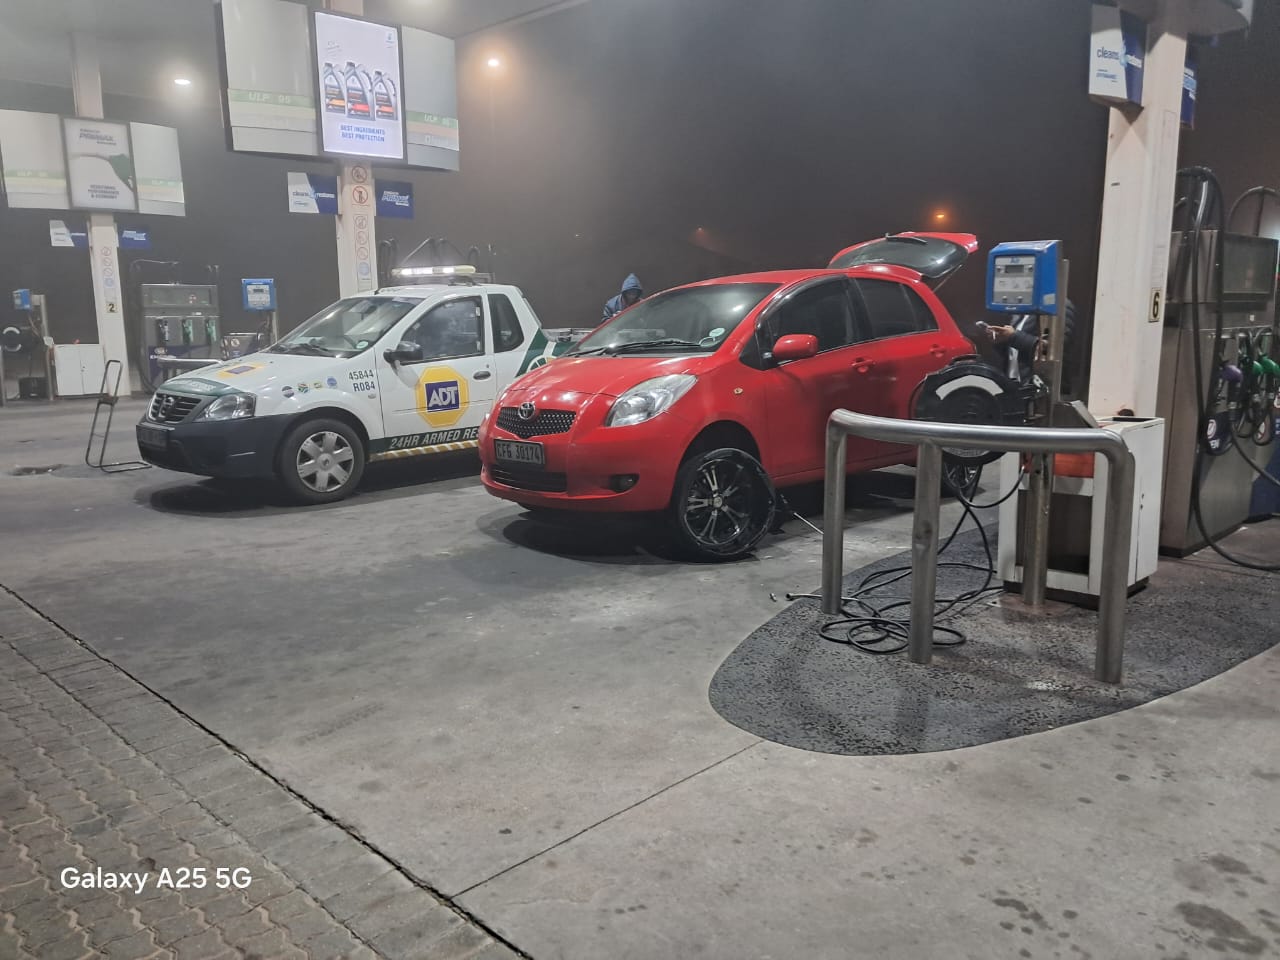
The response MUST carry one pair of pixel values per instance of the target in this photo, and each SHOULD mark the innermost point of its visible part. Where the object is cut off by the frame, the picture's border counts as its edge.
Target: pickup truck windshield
(686, 320)
(347, 327)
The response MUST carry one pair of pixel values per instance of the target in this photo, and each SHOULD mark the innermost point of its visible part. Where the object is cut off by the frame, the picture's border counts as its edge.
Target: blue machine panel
(1023, 277)
(259, 294)
(22, 299)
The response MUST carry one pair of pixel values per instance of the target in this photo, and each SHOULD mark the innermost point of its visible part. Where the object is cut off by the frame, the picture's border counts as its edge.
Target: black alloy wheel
(723, 504)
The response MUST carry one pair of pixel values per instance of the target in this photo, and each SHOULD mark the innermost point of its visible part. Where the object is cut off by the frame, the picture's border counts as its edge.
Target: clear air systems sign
(1118, 55)
(359, 78)
(99, 165)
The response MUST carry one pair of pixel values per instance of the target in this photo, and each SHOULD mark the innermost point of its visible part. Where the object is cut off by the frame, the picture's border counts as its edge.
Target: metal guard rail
(930, 438)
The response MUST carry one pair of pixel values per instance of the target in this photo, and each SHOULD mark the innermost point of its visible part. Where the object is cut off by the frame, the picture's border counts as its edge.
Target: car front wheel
(321, 461)
(722, 505)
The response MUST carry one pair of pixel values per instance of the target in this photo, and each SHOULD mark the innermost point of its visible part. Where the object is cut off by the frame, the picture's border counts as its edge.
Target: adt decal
(442, 396)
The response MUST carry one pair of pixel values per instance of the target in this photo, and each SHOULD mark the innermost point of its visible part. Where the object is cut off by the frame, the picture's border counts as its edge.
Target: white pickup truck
(404, 371)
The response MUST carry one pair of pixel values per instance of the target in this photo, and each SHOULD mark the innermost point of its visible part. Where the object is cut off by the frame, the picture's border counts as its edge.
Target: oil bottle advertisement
(358, 65)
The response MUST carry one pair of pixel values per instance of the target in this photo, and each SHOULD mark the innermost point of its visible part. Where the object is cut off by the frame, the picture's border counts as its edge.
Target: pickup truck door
(516, 338)
(440, 400)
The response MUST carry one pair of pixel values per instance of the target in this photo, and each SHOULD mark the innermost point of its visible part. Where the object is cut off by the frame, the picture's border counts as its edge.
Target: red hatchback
(698, 400)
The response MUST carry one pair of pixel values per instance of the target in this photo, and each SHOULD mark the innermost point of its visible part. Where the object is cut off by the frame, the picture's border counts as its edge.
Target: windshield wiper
(651, 345)
(587, 352)
(306, 346)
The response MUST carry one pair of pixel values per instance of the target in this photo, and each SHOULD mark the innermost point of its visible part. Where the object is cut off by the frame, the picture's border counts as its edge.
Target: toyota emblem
(527, 410)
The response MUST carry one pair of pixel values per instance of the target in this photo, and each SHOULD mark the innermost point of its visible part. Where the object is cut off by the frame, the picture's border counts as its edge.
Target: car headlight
(232, 406)
(646, 400)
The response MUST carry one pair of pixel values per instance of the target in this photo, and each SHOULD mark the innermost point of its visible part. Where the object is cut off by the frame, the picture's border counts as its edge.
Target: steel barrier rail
(930, 437)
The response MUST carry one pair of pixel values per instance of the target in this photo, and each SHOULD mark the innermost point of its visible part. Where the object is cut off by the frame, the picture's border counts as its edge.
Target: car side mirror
(795, 346)
(405, 352)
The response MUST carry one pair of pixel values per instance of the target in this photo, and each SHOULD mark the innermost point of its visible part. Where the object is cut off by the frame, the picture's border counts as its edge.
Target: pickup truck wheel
(320, 461)
(722, 505)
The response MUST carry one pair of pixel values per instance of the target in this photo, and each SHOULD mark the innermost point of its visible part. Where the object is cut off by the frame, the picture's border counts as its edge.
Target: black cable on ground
(873, 625)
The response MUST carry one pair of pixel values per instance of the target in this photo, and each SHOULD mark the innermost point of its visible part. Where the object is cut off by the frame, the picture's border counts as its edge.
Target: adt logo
(442, 395)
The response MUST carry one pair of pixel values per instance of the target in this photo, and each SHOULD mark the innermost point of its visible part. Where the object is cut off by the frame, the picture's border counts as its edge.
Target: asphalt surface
(518, 717)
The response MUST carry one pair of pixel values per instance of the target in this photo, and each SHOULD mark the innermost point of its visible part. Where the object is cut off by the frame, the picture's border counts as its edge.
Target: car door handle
(481, 375)
(937, 351)
(862, 364)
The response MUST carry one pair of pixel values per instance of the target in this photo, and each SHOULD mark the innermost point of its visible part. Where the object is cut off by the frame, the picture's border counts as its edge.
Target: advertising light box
(99, 164)
(360, 80)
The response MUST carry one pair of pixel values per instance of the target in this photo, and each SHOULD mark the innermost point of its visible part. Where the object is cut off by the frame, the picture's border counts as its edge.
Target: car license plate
(520, 451)
(152, 436)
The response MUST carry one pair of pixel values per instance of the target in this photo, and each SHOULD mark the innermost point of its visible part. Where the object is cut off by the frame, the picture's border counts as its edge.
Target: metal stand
(108, 400)
(930, 437)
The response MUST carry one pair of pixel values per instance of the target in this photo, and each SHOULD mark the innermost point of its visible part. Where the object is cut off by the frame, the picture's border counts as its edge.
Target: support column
(1137, 216)
(357, 270)
(104, 260)
(353, 226)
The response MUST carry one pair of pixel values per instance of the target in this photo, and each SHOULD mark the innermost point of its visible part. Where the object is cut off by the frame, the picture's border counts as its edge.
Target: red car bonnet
(610, 376)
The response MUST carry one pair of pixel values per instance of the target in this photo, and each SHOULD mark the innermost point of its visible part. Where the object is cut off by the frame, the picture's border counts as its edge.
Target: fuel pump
(29, 336)
(176, 323)
(1217, 380)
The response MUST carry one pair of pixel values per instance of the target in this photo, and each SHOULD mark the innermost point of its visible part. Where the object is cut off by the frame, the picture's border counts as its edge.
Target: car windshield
(688, 319)
(347, 327)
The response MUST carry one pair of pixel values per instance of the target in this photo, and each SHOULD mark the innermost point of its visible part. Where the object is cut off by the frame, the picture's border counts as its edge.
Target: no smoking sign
(360, 195)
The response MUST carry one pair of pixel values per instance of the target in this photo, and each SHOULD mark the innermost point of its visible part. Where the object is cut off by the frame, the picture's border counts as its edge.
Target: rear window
(928, 256)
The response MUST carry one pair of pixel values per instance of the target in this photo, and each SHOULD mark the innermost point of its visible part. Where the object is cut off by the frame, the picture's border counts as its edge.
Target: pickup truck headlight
(231, 406)
(646, 400)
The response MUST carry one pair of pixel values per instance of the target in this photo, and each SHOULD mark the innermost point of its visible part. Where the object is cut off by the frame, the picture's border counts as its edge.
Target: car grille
(171, 407)
(545, 423)
(539, 480)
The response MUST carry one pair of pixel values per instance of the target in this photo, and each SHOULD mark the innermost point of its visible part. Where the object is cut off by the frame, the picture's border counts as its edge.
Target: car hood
(259, 373)
(604, 376)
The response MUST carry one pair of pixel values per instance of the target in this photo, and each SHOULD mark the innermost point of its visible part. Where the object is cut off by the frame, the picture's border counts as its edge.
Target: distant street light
(940, 216)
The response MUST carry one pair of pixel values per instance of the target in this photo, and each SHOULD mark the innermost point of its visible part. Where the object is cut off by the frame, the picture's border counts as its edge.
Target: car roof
(786, 277)
(435, 289)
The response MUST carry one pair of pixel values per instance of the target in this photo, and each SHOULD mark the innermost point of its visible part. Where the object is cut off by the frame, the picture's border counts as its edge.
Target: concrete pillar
(1137, 215)
(357, 270)
(104, 260)
(354, 227)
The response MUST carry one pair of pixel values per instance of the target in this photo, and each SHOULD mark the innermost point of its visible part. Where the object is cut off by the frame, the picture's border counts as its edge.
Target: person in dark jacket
(1019, 342)
(631, 293)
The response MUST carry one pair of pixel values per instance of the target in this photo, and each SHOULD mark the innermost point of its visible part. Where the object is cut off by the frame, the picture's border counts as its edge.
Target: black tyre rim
(728, 506)
(962, 477)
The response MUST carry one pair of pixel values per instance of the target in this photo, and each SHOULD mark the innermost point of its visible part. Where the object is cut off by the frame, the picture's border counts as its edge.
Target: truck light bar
(464, 269)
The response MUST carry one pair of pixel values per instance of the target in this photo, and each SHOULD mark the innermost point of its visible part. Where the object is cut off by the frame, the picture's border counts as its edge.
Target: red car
(697, 400)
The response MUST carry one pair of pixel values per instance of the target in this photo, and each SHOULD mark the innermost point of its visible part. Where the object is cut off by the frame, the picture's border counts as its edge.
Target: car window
(894, 309)
(454, 328)
(822, 311)
(507, 334)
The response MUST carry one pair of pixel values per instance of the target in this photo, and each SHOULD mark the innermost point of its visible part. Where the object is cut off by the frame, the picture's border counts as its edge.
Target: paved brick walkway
(98, 773)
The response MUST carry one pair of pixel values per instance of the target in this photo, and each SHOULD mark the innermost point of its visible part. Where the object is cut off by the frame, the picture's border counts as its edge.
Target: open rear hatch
(935, 256)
